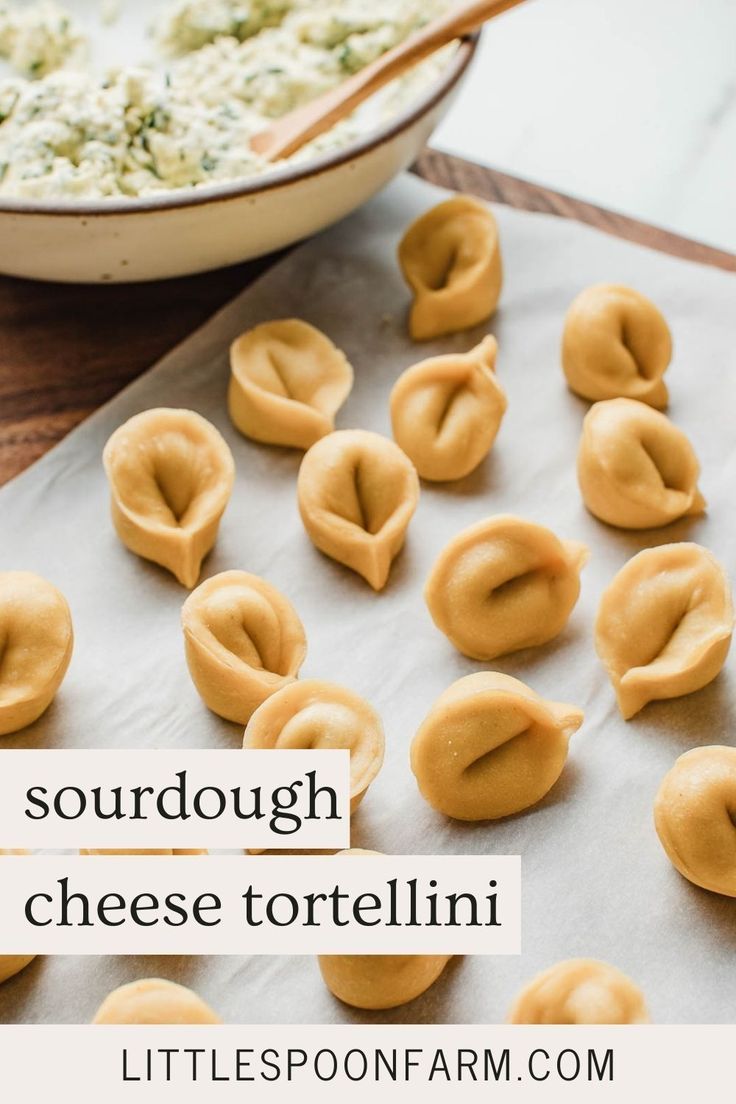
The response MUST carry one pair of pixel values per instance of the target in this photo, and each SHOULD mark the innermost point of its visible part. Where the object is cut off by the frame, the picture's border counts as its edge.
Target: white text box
(387, 904)
(262, 794)
(277, 1064)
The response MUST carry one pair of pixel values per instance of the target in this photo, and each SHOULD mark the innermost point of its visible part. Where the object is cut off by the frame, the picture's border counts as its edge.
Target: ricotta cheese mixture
(38, 38)
(231, 66)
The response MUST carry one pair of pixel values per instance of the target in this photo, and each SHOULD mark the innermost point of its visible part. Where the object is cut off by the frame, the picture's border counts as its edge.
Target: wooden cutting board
(66, 349)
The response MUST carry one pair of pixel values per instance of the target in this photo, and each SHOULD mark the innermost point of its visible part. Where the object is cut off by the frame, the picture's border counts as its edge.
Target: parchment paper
(596, 881)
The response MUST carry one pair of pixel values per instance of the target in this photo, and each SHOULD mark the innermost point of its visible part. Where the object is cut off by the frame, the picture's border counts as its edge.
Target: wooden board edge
(460, 175)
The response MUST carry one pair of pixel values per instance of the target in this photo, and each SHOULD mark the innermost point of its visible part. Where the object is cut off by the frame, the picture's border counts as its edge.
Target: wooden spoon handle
(298, 127)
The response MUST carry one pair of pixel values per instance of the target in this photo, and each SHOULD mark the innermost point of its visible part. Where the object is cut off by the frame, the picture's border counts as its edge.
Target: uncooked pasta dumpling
(504, 584)
(379, 981)
(10, 965)
(451, 260)
(287, 383)
(154, 1001)
(616, 344)
(321, 715)
(491, 747)
(36, 641)
(664, 624)
(357, 494)
(580, 991)
(243, 641)
(635, 468)
(446, 411)
(171, 475)
(694, 817)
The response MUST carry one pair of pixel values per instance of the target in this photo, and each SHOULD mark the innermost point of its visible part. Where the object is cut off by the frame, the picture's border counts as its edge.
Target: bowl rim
(178, 199)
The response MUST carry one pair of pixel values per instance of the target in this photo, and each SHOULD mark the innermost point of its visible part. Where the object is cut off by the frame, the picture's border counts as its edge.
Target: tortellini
(379, 981)
(154, 1001)
(171, 475)
(287, 383)
(451, 260)
(446, 412)
(635, 468)
(357, 494)
(616, 344)
(664, 624)
(490, 747)
(10, 965)
(580, 991)
(504, 584)
(36, 642)
(321, 715)
(694, 817)
(244, 641)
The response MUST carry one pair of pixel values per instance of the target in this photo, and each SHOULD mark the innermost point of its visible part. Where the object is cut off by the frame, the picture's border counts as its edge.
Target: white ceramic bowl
(178, 233)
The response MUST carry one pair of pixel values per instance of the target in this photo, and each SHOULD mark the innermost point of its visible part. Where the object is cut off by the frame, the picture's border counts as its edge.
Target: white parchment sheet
(595, 879)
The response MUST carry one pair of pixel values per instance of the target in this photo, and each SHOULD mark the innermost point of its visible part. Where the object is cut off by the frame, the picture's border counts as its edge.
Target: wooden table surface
(66, 349)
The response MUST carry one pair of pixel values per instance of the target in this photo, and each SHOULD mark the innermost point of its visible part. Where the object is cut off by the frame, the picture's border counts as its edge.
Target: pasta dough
(664, 624)
(504, 584)
(379, 981)
(580, 991)
(243, 641)
(154, 1001)
(287, 383)
(616, 344)
(451, 260)
(357, 494)
(321, 715)
(446, 411)
(171, 475)
(36, 641)
(635, 468)
(10, 965)
(491, 747)
(694, 817)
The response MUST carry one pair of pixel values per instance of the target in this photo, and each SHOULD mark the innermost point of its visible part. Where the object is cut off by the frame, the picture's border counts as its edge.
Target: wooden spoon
(295, 129)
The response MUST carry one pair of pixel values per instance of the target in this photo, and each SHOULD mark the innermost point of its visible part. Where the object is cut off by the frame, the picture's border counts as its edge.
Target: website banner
(276, 1064)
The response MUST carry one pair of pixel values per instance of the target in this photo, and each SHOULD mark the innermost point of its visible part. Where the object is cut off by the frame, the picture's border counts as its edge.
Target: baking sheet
(595, 880)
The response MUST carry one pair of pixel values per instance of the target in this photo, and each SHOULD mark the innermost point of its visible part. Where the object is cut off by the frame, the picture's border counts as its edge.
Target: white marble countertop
(630, 104)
